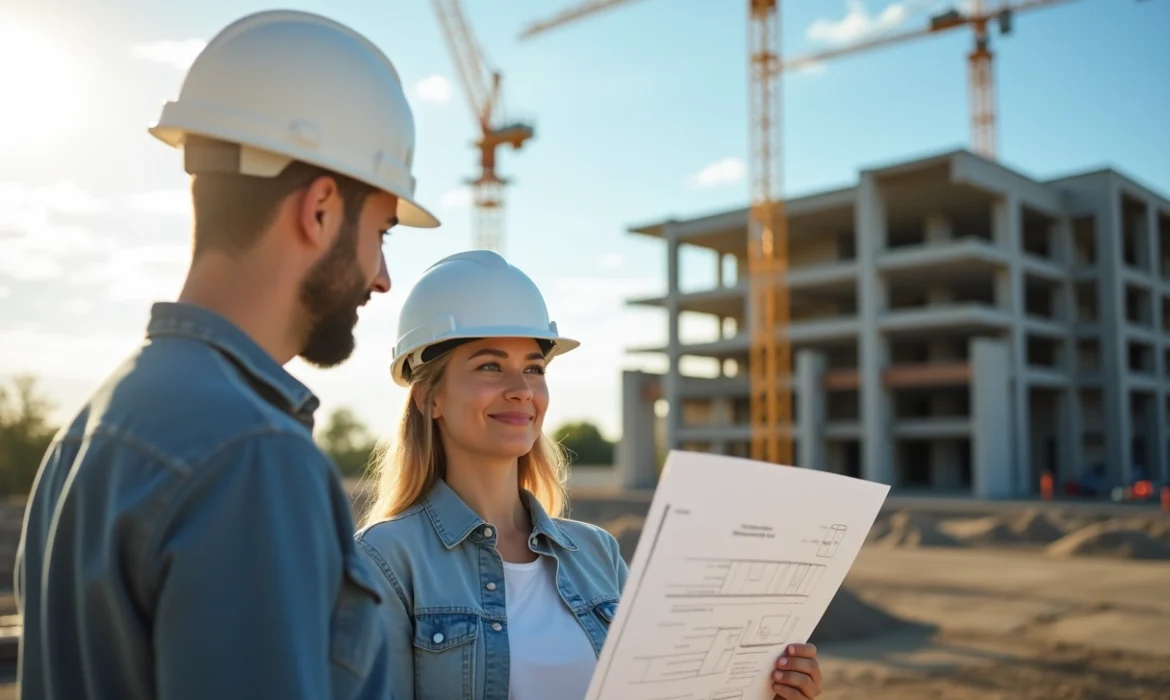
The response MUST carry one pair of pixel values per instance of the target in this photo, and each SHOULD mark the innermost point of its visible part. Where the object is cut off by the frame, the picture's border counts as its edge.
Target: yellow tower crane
(481, 87)
(771, 352)
(981, 78)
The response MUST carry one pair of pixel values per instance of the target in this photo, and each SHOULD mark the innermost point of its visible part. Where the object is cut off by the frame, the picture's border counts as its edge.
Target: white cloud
(857, 24)
(62, 355)
(170, 202)
(811, 68)
(5, 292)
(611, 261)
(77, 307)
(456, 199)
(176, 53)
(142, 273)
(722, 172)
(33, 240)
(433, 88)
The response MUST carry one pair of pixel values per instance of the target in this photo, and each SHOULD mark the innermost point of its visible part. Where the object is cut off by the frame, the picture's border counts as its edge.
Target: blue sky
(640, 113)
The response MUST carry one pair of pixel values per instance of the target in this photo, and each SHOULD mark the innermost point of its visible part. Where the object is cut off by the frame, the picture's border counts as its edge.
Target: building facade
(956, 327)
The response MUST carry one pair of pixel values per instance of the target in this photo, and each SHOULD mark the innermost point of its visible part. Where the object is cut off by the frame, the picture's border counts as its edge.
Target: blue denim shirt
(185, 538)
(444, 587)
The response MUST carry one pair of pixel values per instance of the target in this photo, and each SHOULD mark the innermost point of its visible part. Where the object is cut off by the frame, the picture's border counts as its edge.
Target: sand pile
(1028, 528)
(850, 618)
(1110, 539)
(907, 529)
(1035, 527)
(626, 529)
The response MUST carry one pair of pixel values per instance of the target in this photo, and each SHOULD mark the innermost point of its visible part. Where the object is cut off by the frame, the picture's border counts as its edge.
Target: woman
(490, 595)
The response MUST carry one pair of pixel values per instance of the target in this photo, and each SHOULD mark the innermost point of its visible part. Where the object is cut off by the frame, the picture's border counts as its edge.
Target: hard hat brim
(410, 213)
(561, 345)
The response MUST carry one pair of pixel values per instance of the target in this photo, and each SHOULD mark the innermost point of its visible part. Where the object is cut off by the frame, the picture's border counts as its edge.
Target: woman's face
(493, 397)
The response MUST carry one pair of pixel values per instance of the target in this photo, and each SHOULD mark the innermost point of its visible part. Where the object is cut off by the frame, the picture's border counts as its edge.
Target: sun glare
(39, 82)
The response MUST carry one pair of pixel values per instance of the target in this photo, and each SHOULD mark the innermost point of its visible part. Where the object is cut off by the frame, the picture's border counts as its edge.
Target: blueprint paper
(737, 559)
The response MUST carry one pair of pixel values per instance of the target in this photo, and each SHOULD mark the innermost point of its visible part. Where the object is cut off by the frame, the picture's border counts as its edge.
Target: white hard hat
(474, 294)
(286, 85)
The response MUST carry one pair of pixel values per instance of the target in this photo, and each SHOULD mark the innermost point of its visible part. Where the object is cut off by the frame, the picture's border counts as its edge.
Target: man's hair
(232, 211)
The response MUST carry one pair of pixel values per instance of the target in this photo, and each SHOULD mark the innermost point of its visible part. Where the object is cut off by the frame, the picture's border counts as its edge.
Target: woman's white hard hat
(470, 295)
(286, 85)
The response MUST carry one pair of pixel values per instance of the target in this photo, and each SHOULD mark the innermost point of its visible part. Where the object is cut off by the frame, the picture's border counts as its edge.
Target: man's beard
(332, 293)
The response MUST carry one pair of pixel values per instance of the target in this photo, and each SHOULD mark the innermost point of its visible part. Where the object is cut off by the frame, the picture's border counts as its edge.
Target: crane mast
(770, 361)
(770, 353)
(980, 77)
(482, 89)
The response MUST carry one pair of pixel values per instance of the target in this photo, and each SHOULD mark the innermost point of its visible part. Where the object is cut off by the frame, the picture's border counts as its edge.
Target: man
(185, 538)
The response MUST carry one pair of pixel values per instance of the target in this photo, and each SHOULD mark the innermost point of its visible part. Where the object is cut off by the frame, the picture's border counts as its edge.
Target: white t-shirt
(551, 656)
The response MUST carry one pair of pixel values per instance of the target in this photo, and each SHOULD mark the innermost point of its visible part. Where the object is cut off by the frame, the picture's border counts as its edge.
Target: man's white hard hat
(469, 295)
(286, 85)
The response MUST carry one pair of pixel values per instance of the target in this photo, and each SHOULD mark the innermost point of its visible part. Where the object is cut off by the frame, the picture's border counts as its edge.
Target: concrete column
(876, 411)
(1114, 357)
(1160, 436)
(938, 228)
(637, 458)
(1151, 424)
(991, 420)
(1068, 434)
(670, 382)
(944, 465)
(810, 394)
(1007, 225)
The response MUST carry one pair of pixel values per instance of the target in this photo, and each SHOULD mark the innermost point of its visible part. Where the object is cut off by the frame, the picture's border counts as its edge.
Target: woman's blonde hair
(403, 475)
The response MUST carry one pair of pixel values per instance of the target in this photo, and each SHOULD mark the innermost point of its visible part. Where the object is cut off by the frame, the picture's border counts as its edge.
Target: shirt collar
(455, 521)
(175, 319)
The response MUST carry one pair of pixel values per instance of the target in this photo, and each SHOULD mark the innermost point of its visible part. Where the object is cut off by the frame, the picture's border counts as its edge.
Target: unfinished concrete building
(956, 327)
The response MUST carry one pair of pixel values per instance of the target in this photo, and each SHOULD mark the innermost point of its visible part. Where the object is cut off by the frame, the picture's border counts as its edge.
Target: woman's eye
(490, 367)
(536, 369)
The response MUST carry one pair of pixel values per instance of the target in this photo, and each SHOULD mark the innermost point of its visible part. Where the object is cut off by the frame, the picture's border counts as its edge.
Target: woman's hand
(798, 673)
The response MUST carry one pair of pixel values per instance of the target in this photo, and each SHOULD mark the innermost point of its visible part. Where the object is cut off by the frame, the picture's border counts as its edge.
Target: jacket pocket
(356, 639)
(444, 659)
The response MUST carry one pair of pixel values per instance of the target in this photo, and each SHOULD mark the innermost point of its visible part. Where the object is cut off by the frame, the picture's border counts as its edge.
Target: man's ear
(320, 212)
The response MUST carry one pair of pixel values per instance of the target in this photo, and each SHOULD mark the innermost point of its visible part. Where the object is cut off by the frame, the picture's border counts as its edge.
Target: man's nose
(381, 283)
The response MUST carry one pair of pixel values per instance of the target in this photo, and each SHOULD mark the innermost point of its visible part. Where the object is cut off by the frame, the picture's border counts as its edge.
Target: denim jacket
(443, 581)
(185, 538)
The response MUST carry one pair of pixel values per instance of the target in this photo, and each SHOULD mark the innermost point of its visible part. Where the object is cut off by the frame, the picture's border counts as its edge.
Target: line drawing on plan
(729, 578)
(770, 631)
(831, 541)
(702, 651)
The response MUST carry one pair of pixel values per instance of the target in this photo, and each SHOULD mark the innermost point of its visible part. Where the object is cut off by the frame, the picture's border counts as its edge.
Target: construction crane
(770, 358)
(481, 87)
(981, 79)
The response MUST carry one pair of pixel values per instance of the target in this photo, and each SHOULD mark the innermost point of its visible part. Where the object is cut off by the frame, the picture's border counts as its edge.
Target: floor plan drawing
(832, 540)
(737, 559)
(745, 577)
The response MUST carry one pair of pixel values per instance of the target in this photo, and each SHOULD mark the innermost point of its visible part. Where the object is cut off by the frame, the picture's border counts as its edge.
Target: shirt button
(491, 586)
(497, 626)
(487, 532)
(438, 638)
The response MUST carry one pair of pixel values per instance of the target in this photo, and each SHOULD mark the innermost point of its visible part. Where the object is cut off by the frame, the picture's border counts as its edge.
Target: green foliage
(347, 441)
(585, 443)
(25, 433)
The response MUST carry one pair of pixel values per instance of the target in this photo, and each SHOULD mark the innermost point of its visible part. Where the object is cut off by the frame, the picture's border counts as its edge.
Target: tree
(25, 433)
(585, 443)
(347, 441)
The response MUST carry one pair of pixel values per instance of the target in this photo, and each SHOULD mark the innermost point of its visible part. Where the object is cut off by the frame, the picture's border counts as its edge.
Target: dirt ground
(1003, 624)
